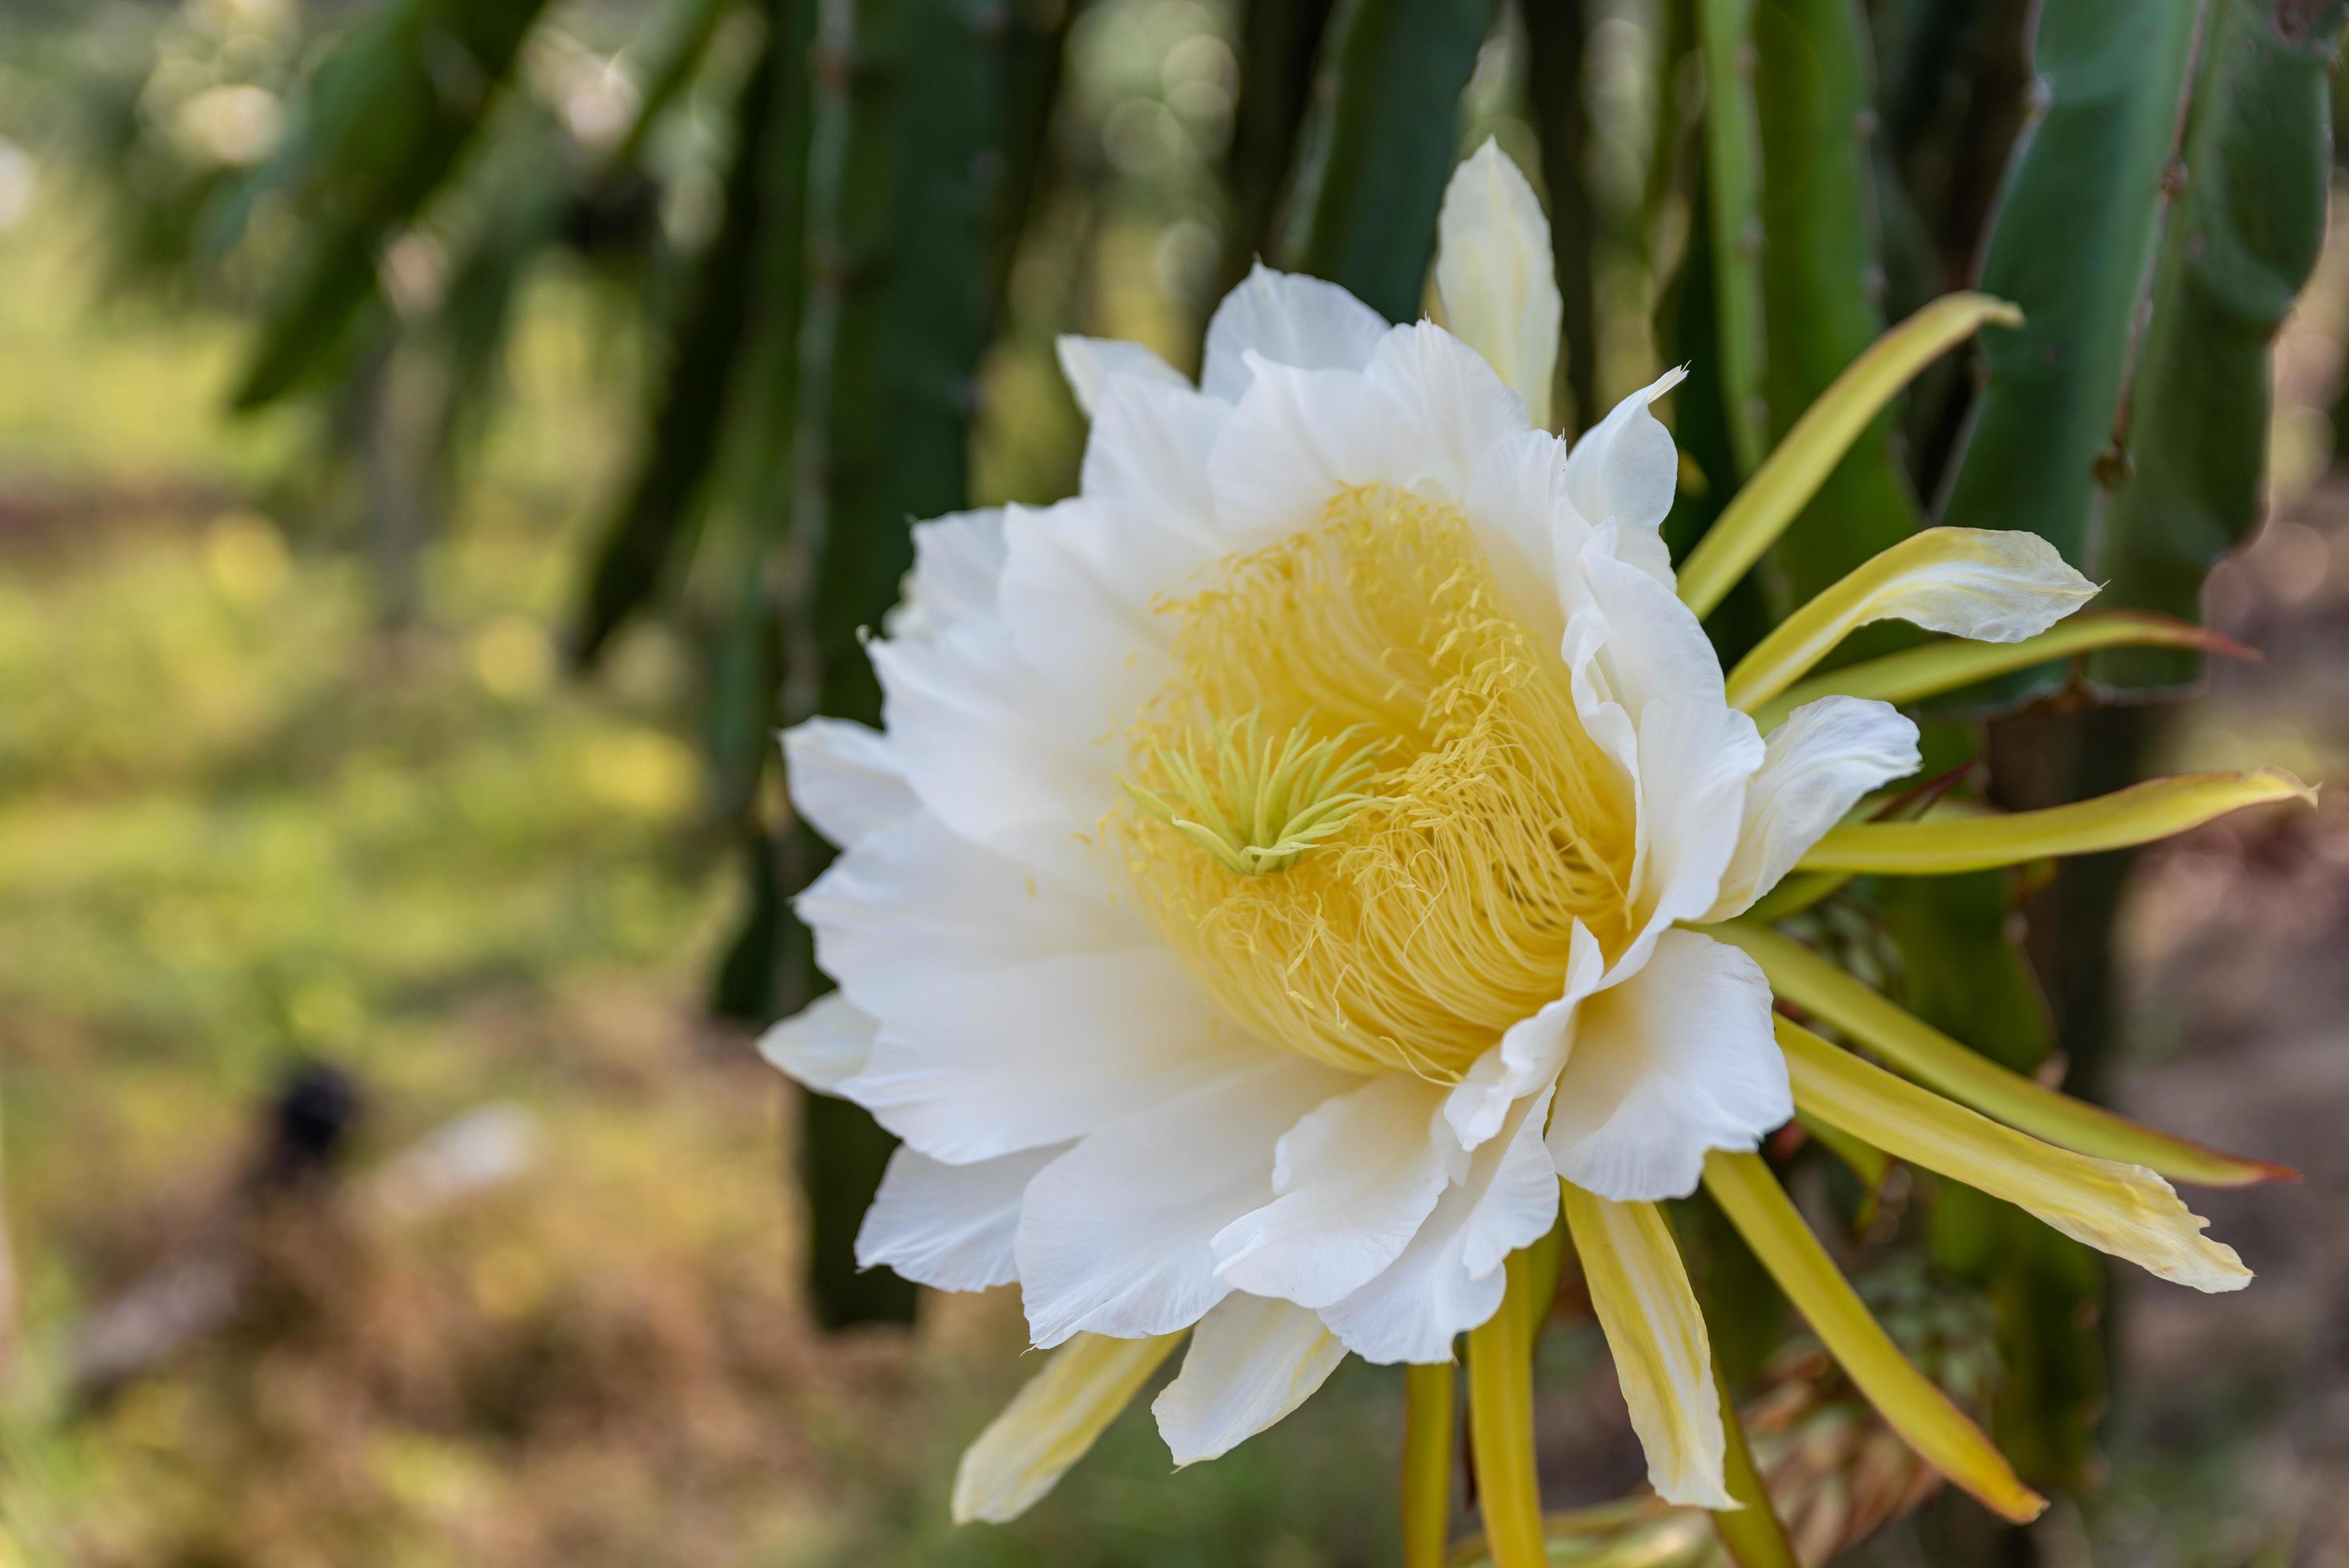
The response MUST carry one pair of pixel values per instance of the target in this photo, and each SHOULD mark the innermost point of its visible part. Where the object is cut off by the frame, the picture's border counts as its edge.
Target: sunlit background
(379, 1187)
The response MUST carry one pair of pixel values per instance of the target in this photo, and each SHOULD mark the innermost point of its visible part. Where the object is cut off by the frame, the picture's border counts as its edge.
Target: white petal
(1090, 362)
(1086, 581)
(1423, 415)
(1513, 502)
(1663, 1357)
(1146, 460)
(956, 560)
(1495, 275)
(1296, 439)
(1530, 1053)
(971, 1065)
(1051, 1423)
(948, 1226)
(916, 902)
(844, 780)
(1676, 1060)
(1696, 761)
(1456, 407)
(1251, 1362)
(1626, 468)
(823, 1045)
(1080, 593)
(986, 748)
(1115, 1235)
(1354, 1178)
(1816, 767)
(1449, 1279)
(1288, 319)
(1654, 647)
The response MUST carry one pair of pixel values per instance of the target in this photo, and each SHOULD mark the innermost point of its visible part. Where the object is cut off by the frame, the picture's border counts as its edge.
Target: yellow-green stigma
(1268, 801)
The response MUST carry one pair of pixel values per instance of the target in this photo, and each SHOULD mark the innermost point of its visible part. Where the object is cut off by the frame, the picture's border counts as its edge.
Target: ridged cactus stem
(1733, 167)
(1400, 67)
(905, 180)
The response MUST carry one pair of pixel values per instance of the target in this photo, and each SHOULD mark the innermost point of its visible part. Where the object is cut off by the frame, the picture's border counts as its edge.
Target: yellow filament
(1435, 845)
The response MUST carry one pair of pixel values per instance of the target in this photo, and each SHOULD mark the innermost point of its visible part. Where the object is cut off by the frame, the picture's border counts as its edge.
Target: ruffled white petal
(1297, 440)
(1816, 767)
(1115, 1236)
(1454, 407)
(1653, 646)
(916, 900)
(948, 1226)
(1051, 1423)
(986, 750)
(956, 560)
(845, 780)
(973, 1065)
(1251, 1361)
(1696, 761)
(1449, 1279)
(1286, 319)
(1676, 1060)
(1514, 503)
(1425, 415)
(1079, 593)
(1089, 363)
(1496, 276)
(1530, 1053)
(1663, 1357)
(1354, 1178)
(1625, 468)
(1145, 464)
(823, 1045)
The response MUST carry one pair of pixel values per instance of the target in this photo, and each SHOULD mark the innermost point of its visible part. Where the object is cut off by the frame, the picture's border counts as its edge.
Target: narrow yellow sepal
(1663, 1357)
(1428, 1404)
(1989, 584)
(1501, 1424)
(1800, 464)
(1924, 1417)
(1955, 664)
(2123, 1210)
(2136, 815)
(1752, 1531)
(1800, 976)
(1051, 1423)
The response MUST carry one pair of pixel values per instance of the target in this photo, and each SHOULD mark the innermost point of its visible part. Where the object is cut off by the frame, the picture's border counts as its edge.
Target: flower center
(1356, 711)
(1264, 804)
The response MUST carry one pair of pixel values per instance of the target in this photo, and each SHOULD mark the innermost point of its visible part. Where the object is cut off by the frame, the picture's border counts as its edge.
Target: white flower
(1270, 881)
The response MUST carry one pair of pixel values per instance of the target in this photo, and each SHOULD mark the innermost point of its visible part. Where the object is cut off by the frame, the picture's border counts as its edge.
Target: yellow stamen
(1357, 710)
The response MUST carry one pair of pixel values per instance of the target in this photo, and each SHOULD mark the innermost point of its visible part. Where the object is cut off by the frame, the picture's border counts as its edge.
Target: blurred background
(442, 440)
